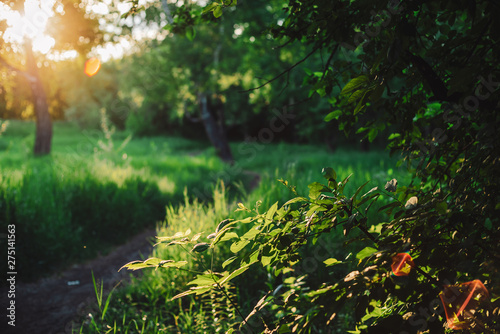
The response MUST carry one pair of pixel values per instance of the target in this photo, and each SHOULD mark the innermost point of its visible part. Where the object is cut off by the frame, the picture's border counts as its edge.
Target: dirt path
(52, 305)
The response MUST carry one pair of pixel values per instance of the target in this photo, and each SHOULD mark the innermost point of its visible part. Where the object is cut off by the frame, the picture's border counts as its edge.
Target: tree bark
(215, 130)
(43, 139)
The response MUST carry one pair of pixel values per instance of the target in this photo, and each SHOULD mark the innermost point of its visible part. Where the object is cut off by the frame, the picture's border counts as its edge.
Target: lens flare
(461, 302)
(402, 264)
(92, 66)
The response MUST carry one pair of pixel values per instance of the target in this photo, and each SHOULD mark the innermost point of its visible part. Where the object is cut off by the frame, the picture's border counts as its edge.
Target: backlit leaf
(365, 252)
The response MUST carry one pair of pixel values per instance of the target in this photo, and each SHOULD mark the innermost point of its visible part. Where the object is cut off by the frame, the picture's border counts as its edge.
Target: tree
(208, 75)
(424, 74)
(72, 29)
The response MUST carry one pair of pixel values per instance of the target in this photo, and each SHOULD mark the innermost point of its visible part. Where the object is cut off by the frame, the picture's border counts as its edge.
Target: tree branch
(284, 72)
(15, 69)
(329, 60)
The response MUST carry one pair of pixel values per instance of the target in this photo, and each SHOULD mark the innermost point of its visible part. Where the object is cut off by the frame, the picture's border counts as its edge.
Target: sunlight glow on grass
(120, 174)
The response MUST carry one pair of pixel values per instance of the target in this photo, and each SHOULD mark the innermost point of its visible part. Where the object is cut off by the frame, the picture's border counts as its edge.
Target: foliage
(276, 239)
(130, 310)
(425, 71)
(147, 296)
(227, 61)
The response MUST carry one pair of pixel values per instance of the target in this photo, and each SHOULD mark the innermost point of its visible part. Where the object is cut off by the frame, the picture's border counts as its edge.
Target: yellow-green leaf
(354, 84)
(331, 262)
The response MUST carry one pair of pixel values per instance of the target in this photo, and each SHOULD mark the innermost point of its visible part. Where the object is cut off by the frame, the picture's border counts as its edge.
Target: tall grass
(143, 306)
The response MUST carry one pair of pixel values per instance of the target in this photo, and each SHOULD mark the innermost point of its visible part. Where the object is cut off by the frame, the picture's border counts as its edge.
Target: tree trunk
(43, 139)
(215, 130)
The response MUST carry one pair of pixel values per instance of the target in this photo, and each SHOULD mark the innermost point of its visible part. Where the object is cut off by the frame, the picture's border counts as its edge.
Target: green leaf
(251, 234)
(210, 7)
(218, 12)
(370, 191)
(194, 290)
(284, 329)
(229, 261)
(201, 247)
(272, 211)
(442, 207)
(331, 262)
(295, 200)
(236, 273)
(203, 280)
(178, 242)
(221, 225)
(394, 135)
(344, 182)
(265, 260)
(135, 265)
(241, 207)
(372, 134)
(315, 189)
(354, 84)
(359, 190)
(333, 115)
(228, 236)
(153, 262)
(361, 104)
(221, 233)
(329, 174)
(239, 245)
(365, 252)
(364, 199)
(175, 236)
(190, 33)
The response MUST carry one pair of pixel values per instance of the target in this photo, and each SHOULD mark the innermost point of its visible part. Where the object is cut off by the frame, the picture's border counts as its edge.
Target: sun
(32, 24)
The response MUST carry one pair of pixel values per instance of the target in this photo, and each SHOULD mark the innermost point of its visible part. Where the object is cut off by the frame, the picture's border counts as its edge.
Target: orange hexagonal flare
(92, 66)
(402, 264)
(461, 302)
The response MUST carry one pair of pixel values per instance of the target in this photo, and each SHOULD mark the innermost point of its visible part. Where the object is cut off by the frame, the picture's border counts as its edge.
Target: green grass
(75, 203)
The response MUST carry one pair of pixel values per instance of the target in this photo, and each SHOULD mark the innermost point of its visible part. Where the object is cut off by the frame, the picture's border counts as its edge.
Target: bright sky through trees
(32, 24)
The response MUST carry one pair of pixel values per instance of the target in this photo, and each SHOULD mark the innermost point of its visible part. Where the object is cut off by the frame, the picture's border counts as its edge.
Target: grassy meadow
(75, 203)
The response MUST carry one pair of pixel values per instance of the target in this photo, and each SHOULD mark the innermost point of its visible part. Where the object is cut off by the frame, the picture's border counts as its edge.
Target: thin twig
(329, 60)
(283, 73)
